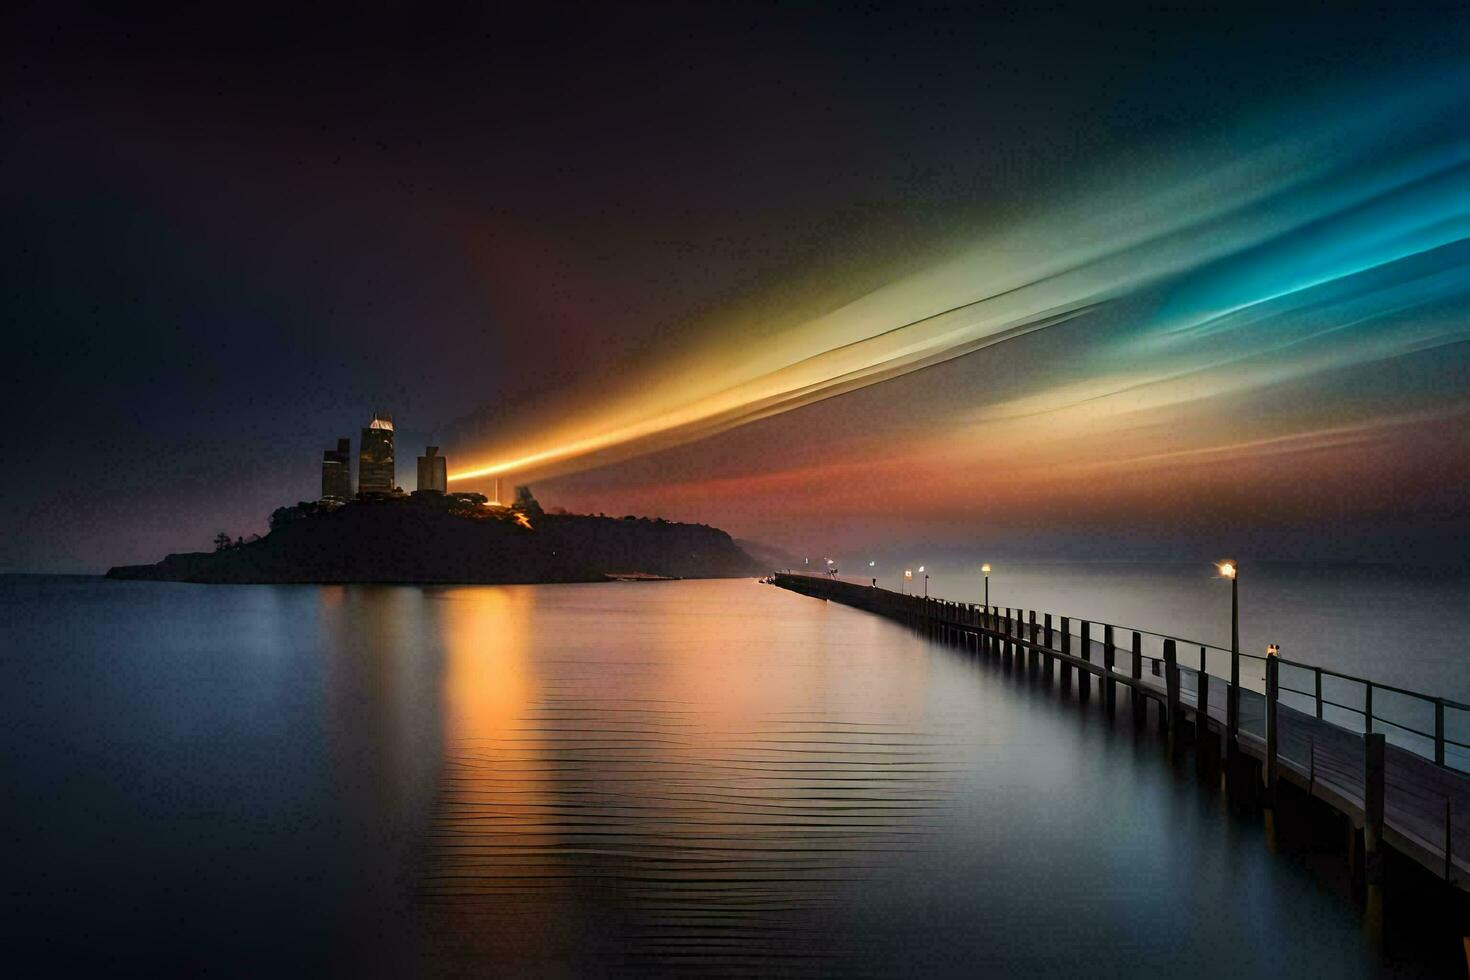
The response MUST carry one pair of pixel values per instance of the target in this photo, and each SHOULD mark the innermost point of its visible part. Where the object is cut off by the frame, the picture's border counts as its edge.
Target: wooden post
(1273, 744)
(1318, 672)
(1084, 678)
(1202, 713)
(1232, 697)
(1171, 688)
(1047, 659)
(1373, 745)
(1311, 766)
(1110, 653)
(1135, 694)
(1449, 867)
(1066, 650)
(1438, 732)
(1033, 656)
(1368, 709)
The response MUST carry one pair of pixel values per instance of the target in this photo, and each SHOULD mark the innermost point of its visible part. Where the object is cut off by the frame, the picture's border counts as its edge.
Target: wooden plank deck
(1322, 759)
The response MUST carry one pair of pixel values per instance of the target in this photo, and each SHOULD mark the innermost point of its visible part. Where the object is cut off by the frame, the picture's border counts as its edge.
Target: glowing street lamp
(926, 581)
(986, 570)
(908, 576)
(1230, 569)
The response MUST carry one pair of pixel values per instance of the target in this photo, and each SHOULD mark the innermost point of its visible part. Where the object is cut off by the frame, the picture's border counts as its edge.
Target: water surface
(684, 778)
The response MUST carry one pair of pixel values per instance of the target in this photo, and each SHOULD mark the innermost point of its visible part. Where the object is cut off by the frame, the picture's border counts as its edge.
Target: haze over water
(685, 777)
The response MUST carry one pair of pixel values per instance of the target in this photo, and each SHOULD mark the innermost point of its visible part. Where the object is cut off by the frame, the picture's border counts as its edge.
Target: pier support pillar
(1048, 662)
(1066, 650)
(1032, 653)
(1084, 650)
(1171, 687)
(1204, 749)
(1140, 707)
(1373, 746)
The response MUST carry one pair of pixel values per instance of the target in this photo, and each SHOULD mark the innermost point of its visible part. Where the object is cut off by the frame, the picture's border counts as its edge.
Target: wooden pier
(1393, 767)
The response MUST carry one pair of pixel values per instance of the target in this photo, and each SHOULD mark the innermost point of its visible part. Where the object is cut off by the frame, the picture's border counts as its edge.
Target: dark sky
(229, 235)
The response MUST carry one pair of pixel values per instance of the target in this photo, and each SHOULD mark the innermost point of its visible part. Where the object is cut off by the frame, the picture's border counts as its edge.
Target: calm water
(681, 778)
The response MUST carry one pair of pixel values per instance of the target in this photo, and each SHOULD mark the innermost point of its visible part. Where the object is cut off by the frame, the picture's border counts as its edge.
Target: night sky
(1059, 284)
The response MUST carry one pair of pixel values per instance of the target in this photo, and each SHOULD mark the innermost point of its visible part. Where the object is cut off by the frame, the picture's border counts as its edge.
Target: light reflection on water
(680, 778)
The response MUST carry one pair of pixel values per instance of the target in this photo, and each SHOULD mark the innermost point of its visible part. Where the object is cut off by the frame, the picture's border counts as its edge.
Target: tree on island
(222, 541)
(282, 516)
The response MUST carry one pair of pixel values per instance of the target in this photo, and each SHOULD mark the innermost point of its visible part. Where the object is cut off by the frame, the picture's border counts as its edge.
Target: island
(454, 539)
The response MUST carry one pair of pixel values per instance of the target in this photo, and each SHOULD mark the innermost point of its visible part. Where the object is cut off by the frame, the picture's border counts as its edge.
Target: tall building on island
(337, 471)
(375, 456)
(433, 472)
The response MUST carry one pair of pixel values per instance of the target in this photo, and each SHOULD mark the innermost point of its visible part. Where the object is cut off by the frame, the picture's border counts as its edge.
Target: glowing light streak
(1262, 233)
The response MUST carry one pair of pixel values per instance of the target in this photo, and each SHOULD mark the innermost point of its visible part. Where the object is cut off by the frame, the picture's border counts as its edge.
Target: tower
(337, 471)
(375, 456)
(433, 471)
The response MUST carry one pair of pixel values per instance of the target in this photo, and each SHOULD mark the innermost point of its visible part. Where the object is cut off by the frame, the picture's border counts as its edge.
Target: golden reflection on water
(654, 775)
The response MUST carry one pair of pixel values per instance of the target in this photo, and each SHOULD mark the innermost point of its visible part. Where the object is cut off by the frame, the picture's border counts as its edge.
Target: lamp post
(1273, 733)
(1231, 570)
(908, 576)
(986, 570)
(926, 581)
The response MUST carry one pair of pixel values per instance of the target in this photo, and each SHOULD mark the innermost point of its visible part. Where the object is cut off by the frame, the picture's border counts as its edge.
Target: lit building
(375, 456)
(433, 472)
(337, 471)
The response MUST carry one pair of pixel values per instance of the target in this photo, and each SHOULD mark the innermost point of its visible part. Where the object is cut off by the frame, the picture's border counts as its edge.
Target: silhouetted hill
(407, 541)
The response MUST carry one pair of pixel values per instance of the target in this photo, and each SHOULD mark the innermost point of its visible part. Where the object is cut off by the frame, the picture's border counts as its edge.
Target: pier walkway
(1393, 762)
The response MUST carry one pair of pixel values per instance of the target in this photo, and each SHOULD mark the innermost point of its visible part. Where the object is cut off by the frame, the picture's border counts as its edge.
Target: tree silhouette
(221, 541)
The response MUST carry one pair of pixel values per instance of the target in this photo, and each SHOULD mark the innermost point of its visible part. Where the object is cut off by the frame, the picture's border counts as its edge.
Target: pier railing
(1432, 727)
(1393, 761)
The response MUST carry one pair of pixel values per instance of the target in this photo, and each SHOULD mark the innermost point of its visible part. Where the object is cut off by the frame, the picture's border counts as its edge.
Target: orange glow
(1227, 569)
(487, 677)
(495, 781)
